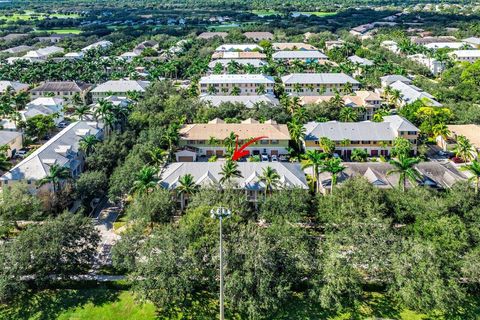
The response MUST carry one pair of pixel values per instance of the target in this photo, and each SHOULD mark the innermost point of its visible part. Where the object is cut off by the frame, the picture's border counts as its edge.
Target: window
(263, 141)
(412, 133)
(365, 142)
(273, 141)
(354, 142)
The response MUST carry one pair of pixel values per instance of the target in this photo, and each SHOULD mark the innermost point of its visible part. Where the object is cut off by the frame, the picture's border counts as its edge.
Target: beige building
(206, 139)
(61, 89)
(293, 46)
(12, 139)
(469, 131)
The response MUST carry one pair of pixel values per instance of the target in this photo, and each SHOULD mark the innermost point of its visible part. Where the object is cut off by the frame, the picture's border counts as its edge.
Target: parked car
(62, 124)
(264, 158)
(22, 153)
(274, 158)
(283, 158)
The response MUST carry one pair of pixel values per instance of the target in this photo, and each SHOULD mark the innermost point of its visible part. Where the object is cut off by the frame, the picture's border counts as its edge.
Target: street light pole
(221, 213)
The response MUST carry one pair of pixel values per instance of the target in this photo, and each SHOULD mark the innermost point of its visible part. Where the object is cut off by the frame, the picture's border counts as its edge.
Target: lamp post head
(220, 212)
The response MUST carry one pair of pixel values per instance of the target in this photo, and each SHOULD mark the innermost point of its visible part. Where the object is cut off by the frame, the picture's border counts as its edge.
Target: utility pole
(221, 213)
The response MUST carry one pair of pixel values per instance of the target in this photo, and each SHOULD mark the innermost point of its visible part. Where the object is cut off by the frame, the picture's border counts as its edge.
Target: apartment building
(236, 84)
(311, 84)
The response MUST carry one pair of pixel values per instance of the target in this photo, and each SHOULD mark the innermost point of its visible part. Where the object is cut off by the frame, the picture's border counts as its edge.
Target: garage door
(185, 159)
(219, 153)
(274, 152)
(209, 153)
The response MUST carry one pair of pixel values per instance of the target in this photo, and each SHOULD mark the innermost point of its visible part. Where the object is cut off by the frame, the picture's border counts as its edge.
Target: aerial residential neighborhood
(239, 160)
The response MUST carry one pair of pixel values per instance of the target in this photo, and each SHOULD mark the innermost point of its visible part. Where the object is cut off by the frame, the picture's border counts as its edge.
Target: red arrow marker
(240, 153)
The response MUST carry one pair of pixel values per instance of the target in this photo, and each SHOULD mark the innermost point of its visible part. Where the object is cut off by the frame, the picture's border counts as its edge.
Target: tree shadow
(49, 304)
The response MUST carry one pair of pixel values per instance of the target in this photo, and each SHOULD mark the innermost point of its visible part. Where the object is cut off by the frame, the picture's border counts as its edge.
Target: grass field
(316, 13)
(63, 31)
(265, 13)
(28, 15)
(223, 27)
(109, 304)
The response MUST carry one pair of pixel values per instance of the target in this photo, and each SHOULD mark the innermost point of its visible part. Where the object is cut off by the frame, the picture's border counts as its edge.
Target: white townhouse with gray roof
(247, 84)
(307, 56)
(410, 93)
(119, 88)
(207, 174)
(63, 150)
(376, 138)
(316, 84)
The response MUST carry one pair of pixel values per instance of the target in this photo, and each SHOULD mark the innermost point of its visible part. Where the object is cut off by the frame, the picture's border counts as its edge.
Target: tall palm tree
(405, 167)
(186, 187)
(229, 143)
(4, 163)
(55, 175)
(229, 171)
(235, 91)
(348, 114)
(87, 144)
(158, 157)
(146, 180)
(334, 167)
(327, 145)
(441, 130)
(82, 111)
(270, 178)
(464, 149)
(314, 159)
(297, 132)
(474, 169)
(171, 137)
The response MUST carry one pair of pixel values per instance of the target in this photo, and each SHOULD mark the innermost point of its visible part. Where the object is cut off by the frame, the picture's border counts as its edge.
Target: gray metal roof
(248, 101)
(208, 173)
(61, 149)
(237, 78)
(361, 61)
(125, 86)
(395, 77)
(357, 131)
(410, 93)
(17, 86)
(320, 78)
(303, 54)
(224, 62)
(62, 86)
(7, 136)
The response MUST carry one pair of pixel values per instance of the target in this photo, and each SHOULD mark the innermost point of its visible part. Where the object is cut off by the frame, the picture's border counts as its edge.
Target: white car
(274, 158)
(264, 158)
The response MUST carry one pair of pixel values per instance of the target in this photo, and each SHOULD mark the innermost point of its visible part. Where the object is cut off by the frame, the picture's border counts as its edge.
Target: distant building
(17, 49)
(305, 56)
(211, 35)
(45, 106)
(410, 93)
(469, 131)
(239, 48)
(16, 86)
(247, 101)
(63, 150)
(474, 41)
(119, 88)
(239, 55)
(310, 84)
(257, 63)
(331, 44)
(247, 84)
(360, 61)
(390, 46)
(432, 64)
(12, 139)
(293, 46)
(376, 138)
(62, 89)
(465, 55)
(104, 44)
(389, 79)
(258, 36)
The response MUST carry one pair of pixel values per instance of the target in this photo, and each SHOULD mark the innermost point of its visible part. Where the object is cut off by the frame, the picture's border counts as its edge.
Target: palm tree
(229, 143)
(235, 91)
(441, 130)
(55, 175)
(87, 144)
(4, 163)
(261, 89)
(334, 167)
(394, 97)
(474, 169)
(271, 178)
(348, 114)
(359, 155)
(464, 149)
(186, 187)
(297, 132)
(314, 159)
(405, 167)
(158, 157)
(170, 137)
(229, 171)
(146, 180)
(81, 111)
(327, 145)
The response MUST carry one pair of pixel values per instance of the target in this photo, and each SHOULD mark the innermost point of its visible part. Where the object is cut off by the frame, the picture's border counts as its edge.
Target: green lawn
(63, 31)
(28, 15)
(317, 13)
(265, 13)
(109, 304)
(223, 27)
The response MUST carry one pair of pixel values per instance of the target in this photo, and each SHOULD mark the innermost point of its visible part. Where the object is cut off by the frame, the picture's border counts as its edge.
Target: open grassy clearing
(63, 31)
(317, 13)
(29, 15)
(265, 13)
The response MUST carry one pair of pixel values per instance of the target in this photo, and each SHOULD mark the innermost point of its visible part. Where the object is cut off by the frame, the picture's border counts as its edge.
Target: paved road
(104, 218)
